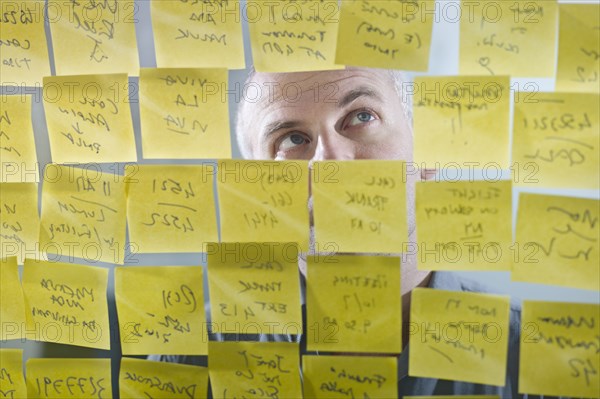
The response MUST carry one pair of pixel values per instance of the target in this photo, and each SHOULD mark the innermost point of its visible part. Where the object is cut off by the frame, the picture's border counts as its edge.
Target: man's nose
(334, 146)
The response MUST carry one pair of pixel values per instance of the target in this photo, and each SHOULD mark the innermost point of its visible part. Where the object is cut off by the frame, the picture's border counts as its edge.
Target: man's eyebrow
(352, 95)
(273, 127)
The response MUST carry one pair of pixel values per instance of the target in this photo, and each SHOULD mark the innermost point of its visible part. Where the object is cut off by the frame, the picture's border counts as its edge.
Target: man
(354, 113)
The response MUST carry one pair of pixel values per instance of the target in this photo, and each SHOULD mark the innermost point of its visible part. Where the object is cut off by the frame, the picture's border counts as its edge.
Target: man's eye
(361, 117)
(291, 141)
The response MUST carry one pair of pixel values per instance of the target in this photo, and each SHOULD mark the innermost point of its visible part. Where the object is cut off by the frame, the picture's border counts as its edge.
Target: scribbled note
(68, 378)
(94, 37)
(353, 304)
(254, 370)
(83, 214)
(557, 241)
(165, 313)
(464, 225)
(66, 303)
(516, 38)
(578, 67)
(462, 119)
(459, 336)
(19, 220)
(454, 397)
(24, 52)
(184, 113)
(12, 303)
(191, 33)
(555, 141)
(17, 146)
(360, 206)
(254, 288)
(161, 380)
(332, 377)
(12, 380)
(263, 201)
(170, 201)
(385, 34)
(566, 336)
(89, 118)
(288, 36)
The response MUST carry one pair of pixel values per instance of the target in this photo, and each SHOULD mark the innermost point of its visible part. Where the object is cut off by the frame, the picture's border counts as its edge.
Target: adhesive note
(183, 111)
(68, 378)
(205, 34)
(163, 312)
(92, 37)
(89, 118)
(459, 336)
(516, 38)
(462, 119)
(146, 379)
(12, 305)
(290, 36)
(170, 201)
(557, 241)
(66, 303)
(264, 369)
(353, 304)
(578, 68)
(454, 397)
(464, 225)
(263, 201)
(555, 141)
(385, 34)
(12, 380)
(332, 377)
(23, 41)
(19, 220)
(360, 206)
(254, 288)
(83, 213)
(567, 336)
(17, 146)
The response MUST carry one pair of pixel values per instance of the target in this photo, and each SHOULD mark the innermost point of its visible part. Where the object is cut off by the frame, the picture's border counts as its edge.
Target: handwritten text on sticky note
(19, 220)
(17, 146)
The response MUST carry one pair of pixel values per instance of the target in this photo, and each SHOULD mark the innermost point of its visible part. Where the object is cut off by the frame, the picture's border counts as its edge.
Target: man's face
(347, 114)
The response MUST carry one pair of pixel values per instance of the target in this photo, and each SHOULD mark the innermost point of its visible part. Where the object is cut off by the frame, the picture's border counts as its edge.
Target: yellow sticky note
(289, 36)
(516, 38)
(459, 336)
(184, 112)
(266, 369)
(328, 377)
(19, 220)
(555, 141)
(68, 378)
(170, 201)
(83, 213)
(66, 303)
(557, 241)
(454, 397)
(12, 383)
(464, 225)
(463, 120)
(254, 288)
(353, 304)
(163, 312)
(578, 66)
(89, 118)
(263, 201)
(146, 379)
(91, 37)
(566, 336)
(17, 146)
(385, 34)
(12, 305)
(360, 206)
(24, 59)
(205, 34)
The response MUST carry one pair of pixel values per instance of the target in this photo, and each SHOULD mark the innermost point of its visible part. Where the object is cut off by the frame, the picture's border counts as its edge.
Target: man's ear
(428, 174)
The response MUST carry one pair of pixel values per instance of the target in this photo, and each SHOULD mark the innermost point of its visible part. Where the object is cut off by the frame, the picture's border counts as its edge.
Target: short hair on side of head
(242, 123)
